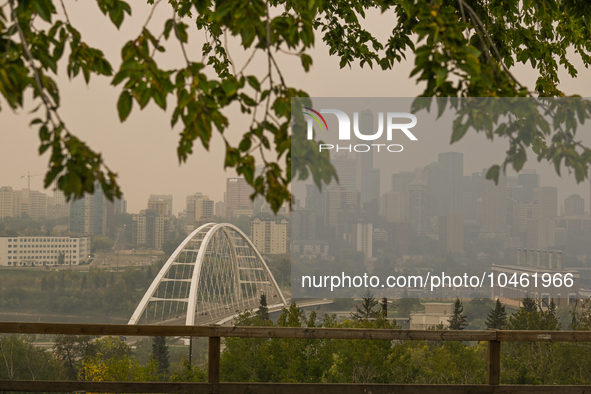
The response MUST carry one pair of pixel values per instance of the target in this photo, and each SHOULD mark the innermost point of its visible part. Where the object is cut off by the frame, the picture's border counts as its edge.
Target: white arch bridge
(214, 273)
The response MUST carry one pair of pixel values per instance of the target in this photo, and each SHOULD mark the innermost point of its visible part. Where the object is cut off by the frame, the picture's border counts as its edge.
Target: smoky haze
(143, 149)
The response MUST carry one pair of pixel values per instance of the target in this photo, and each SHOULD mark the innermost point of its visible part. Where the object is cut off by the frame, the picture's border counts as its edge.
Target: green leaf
(229, 86)
(44, 8)
(306, 62)
(459, 130)
(253, 81)
(493, 173)
(159, 98)
(124, 105)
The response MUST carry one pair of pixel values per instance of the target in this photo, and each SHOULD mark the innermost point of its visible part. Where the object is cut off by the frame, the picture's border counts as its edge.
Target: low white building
(435, 313)
(30, 251)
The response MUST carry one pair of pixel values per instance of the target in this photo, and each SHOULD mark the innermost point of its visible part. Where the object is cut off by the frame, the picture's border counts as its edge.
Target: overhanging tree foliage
(462, 48)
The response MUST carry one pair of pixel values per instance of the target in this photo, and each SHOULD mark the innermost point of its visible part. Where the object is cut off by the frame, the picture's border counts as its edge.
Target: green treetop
(458, 321)
(497, 317)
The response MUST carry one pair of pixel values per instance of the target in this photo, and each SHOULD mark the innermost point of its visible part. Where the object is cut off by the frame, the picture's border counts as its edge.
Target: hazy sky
(143, 149)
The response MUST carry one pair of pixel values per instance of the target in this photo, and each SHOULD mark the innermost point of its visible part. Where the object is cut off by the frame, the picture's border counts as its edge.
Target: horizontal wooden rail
(214, 333)
(294, 332)
(283, 388)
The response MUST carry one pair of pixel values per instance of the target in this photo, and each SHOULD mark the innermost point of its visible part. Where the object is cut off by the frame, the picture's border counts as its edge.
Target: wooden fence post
(214, 361)
(493, 363)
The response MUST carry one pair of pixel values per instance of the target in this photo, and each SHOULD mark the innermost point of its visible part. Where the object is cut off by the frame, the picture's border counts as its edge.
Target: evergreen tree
(366, 311)
(497, 317)
(384, 305)
(529, 304)
(84, 283)
(44, 285)
(263, 311)
(160, 354)
(552, 308)
(550, 314)
(112, 279)
(458, 320)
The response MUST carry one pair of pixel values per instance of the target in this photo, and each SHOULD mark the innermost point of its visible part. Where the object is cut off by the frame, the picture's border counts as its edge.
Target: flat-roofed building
(435, 313)
(574, 205)
(9, 202)
(165, 197)
(27, 251)
(269, 233)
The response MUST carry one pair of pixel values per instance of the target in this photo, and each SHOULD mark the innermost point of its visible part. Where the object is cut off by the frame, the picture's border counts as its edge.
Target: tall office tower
(373, 187)
(341, 210)
(514, 198)
(121, 205)
(393, 207)
(204, 210)
(476, 184)
(435, 183)
(92, 214)
(333, 203)
(33, 203)
(418, 204)
(574, 205)
(103, 213)
(365, 160)
(59, 198)
(165, 197)
(269, 234)
(220, 209)
(303, 224)
(452, 171)
(364, 238)
(82, 216)
(161, 207)
(370, 211)
(547, 199)
(9, 202)
(523, 212)
(494, 204)
(148, 227)
(451, 232)
(314, 200)
(238, 193)
(401, 180)
(190, 209)
(529, 180)
(346, 171)
(541, 233)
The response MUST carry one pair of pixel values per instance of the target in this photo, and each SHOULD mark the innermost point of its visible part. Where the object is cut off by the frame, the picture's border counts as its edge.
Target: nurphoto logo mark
(345, 129)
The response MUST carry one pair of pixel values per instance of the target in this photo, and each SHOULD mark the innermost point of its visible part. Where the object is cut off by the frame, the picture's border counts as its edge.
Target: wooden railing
(214, 333)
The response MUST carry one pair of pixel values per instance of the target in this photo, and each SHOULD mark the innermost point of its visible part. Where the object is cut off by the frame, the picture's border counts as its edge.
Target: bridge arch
(215, 272)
